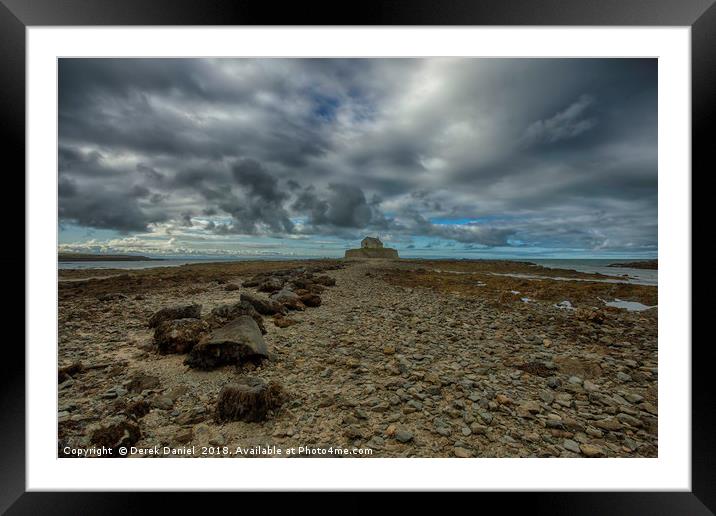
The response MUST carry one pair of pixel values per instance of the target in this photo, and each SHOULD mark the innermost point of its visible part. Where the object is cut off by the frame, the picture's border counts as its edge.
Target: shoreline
(85, 257)
(526, 269)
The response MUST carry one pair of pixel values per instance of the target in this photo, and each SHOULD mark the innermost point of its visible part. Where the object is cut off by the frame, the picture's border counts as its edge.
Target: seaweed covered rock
(250, 399)
(288, 299)
(223, 314)
(312, 300)
(175, 312)
(262, 305)
(118, 431)
(179, 335)
(234, 343)
(271, 284)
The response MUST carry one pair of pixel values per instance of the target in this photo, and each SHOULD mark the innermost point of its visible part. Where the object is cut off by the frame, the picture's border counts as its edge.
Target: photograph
(415, 257)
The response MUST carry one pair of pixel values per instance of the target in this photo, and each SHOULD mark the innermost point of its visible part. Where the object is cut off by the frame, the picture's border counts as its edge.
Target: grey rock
(553, 382)
(571, 445)
(263, 305)
(403, 435)
(231, 344)
(623, 377)
(175, 312)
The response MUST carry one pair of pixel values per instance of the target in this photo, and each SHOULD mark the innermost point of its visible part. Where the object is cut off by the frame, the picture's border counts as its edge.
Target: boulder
(288, 299)
(312, 300)
(179, 335)
(271, 284)
(175, 312)
(262, 305)
(250, 399)
(225, 313)
(301, 282)
(230, 287)
(315, 288)
(239, 340)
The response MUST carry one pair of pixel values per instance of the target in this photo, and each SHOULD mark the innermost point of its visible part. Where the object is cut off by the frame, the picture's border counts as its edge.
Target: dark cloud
(250, 174)
(522, 152)
(258, 207)
(564, 125)
(105, 209)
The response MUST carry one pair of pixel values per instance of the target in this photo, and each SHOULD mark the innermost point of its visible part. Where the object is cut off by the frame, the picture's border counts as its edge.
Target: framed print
(449, 246)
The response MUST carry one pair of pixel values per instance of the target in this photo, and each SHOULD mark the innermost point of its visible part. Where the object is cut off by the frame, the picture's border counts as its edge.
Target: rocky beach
(395, 358)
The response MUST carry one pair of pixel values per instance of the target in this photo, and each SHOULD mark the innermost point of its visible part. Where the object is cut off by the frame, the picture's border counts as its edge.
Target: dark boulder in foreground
(119, 431)
(262, 305)
(234, 343)
(179, 335)
(250, 399)
(175, 312)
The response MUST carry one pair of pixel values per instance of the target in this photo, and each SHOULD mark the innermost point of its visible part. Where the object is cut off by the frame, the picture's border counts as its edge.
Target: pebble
(590, 450)
(553, 382)
(623, 377)
(462, 453)
(589, 386)
(403, 436)
(571, 445)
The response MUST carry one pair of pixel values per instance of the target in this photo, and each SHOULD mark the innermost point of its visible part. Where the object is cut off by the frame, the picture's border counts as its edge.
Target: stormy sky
(303, 157)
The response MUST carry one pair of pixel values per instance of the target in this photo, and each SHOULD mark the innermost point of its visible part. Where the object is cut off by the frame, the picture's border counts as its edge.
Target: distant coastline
(86, 257)
(645, 264)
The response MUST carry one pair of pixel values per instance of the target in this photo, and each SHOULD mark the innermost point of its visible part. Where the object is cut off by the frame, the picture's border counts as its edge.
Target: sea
(601, 266)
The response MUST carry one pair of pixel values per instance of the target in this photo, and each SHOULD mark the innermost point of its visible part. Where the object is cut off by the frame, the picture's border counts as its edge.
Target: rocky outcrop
(179, 335)
(385, 252)
(234, 343)
(175, 312)
(371, 248)
(262, 305)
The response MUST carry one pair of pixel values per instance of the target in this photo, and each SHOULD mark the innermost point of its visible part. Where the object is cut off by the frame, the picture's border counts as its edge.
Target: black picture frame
(17, 15)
